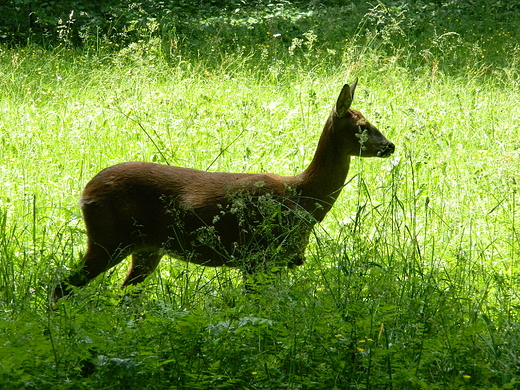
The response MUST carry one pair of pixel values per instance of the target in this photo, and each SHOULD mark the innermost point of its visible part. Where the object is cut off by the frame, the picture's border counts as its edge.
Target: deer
(245, 220)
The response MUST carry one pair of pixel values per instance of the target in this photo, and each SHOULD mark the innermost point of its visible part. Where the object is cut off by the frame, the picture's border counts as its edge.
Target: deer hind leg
(97, 259)
(143, 264)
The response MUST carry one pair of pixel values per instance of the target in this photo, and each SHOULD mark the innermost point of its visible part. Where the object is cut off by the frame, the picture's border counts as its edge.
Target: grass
(410, 281)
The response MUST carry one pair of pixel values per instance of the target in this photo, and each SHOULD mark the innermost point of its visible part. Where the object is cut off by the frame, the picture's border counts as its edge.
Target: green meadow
(412, 280)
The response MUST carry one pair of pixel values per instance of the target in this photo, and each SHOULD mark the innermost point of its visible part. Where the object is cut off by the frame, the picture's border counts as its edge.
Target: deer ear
(353, 88)
(344, 101)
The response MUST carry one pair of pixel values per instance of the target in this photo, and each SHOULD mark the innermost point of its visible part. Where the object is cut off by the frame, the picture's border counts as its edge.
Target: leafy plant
(410, 282)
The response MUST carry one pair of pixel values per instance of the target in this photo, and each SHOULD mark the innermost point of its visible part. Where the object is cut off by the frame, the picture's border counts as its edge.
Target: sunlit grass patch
(411, 281)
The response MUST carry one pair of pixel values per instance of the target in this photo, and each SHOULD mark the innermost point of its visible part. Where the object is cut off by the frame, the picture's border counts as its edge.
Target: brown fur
(217, 218)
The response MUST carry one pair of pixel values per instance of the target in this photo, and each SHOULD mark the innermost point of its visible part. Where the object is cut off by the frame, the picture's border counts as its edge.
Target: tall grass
(410, 281)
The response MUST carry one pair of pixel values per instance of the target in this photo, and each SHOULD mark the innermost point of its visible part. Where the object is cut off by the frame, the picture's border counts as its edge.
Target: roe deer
(215, 218)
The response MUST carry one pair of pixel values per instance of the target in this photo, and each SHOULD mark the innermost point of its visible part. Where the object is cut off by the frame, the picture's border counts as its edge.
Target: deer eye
(362, 128)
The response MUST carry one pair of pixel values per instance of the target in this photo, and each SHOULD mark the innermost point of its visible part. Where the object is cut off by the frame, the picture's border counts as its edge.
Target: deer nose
(386, 151)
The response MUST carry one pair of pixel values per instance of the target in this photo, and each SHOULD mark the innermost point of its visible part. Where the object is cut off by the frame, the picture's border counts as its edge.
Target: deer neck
(321, 183)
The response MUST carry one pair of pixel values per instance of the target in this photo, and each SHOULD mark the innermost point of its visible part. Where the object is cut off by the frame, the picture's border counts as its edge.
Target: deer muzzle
(386, 151)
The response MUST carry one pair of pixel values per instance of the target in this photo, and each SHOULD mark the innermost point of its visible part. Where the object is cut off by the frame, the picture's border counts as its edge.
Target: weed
(411, 280)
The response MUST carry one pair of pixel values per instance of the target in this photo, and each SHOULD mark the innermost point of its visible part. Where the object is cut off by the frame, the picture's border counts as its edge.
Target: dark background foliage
(83, 21)
(370, 309)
